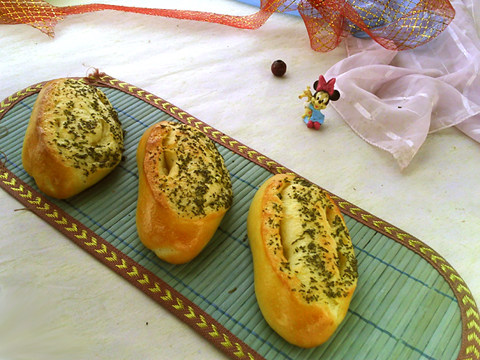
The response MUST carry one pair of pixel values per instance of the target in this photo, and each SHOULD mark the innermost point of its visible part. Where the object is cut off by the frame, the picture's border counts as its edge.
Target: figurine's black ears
(335, 96)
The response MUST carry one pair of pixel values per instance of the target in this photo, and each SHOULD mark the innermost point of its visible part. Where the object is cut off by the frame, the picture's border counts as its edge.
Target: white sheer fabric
(393, 100)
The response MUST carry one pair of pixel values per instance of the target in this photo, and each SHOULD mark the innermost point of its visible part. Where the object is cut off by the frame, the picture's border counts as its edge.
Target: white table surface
(56, 302)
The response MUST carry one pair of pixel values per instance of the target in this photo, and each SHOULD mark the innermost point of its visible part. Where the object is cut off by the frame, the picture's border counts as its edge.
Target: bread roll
(184, 191)
(73, 138)
(305, 269)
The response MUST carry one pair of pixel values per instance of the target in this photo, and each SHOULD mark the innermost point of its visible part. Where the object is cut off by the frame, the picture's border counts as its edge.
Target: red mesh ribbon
(394, 24)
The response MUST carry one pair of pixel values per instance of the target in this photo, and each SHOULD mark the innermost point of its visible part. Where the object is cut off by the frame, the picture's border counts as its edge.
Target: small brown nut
(279, 68)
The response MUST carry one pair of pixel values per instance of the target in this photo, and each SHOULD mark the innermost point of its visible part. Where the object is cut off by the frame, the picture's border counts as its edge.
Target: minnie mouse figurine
(324, 92)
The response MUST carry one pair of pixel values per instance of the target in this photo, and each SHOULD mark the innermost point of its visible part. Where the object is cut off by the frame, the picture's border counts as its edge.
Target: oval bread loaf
(305, 270)
(184, 191)
(73, 138)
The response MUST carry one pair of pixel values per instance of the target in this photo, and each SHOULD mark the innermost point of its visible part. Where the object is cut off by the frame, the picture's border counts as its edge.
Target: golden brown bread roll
(305, 270)
(73, 138)
(184, 191)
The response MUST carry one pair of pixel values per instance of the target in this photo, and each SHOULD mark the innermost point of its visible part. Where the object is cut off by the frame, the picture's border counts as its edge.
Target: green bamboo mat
(409, 303)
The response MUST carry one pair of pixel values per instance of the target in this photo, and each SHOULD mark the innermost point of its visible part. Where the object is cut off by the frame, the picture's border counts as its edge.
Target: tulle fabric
(394, 24)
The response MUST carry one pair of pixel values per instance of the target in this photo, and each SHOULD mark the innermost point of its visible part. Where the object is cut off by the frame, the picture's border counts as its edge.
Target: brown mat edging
(470, 346)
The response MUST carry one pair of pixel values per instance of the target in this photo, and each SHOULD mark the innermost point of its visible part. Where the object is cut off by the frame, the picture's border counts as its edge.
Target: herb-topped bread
(184, 191)
(305, 270)
(73, 138)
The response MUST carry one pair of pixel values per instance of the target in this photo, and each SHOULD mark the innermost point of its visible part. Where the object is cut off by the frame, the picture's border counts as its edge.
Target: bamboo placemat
(409, 303)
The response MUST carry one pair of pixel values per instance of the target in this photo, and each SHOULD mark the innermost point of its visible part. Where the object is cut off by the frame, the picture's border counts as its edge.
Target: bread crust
(184, 190)
(305, 270)
(73, 138)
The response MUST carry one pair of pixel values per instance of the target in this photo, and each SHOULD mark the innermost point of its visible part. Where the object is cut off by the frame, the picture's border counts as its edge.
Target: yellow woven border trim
(12, 99)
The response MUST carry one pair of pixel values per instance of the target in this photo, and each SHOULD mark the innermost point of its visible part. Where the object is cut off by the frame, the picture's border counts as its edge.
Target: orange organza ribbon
(394, 24)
